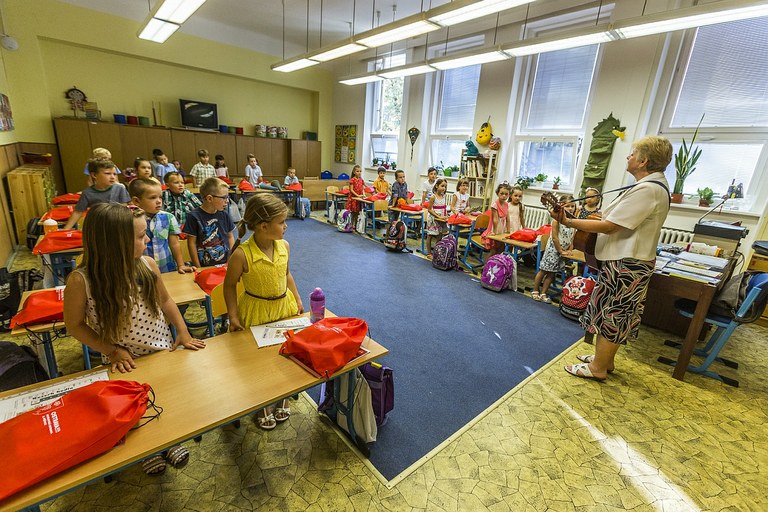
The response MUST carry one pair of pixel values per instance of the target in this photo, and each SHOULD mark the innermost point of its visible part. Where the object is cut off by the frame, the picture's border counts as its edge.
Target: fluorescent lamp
(177, 11)
(405, 28)
(408, 70)
(689, 17)
(460, 11)
(337, 51)
(594, 35)
(293, 65)
(468, 59)
(362, 79)
(158, 30)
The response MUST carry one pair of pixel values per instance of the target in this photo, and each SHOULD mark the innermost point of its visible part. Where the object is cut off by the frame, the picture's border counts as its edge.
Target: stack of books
(696, 267)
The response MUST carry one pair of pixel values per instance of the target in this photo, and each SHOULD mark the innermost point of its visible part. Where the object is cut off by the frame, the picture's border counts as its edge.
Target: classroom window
(386, 109)
(552, 126)
(723, 75)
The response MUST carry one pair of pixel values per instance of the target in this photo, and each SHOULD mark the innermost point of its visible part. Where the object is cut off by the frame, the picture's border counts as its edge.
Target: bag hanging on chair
(61, 240)
(78, 426)
(327, 345)
(209, 278)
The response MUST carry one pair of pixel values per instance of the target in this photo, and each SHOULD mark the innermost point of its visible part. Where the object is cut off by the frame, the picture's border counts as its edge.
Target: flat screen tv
(198, 114)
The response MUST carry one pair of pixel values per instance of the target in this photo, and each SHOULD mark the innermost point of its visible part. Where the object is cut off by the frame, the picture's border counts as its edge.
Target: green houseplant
(540, 178)
(524, 182)
(556, 183)
(705, 196)
(685, 163)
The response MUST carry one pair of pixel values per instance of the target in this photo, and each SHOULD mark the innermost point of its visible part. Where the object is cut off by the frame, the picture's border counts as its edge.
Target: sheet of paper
(696, 269)
(711, 261)
(12, 406)
(661, 262)
(272, 333)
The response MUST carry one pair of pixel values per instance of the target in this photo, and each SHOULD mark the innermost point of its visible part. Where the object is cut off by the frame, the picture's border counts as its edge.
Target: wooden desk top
(198, 391)
(182, 287)
(407, 212)
(504, 238)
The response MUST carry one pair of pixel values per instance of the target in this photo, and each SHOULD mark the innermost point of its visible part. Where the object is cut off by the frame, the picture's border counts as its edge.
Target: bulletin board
(346, 143)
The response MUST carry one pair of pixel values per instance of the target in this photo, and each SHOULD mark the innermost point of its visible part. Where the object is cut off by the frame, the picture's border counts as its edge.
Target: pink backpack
(499, 273)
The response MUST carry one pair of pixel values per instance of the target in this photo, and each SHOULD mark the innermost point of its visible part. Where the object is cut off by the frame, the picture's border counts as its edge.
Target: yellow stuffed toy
(484, 134)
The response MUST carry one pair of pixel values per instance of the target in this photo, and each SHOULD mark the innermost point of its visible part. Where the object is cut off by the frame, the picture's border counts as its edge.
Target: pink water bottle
(316, 305)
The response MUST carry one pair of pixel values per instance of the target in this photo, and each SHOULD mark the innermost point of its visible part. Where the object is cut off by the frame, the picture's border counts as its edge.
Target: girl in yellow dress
(269, 289)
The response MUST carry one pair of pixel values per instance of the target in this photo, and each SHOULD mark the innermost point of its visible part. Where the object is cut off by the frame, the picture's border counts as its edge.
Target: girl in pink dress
(356, 190)
(500, 219)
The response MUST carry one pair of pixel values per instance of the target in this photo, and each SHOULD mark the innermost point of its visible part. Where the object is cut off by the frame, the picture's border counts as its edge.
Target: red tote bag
(327, 345)
(59, 213)
(39, 308)
(245, 185)
(61, 240)
(66, 199)
(211, 277)
(459, 218)
(78, 426)
(296, 187)
(225, 180)
(524, 235)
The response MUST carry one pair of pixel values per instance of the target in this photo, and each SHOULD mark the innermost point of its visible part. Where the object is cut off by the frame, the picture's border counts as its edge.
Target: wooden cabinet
(76, 139)
(32, 188)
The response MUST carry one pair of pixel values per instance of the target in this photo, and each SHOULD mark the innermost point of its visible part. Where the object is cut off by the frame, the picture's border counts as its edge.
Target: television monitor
(199, 114)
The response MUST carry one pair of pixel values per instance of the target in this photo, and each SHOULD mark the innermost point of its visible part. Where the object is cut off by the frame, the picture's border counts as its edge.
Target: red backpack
(577, 291)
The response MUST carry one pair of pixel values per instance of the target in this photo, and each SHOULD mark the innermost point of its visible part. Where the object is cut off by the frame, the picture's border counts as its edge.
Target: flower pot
(555, 186)
(539, 184)
(677, 198)
(703, 203)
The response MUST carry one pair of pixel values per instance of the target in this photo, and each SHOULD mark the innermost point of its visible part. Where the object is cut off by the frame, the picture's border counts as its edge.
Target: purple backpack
(499, 273)
(444, 254)
(382, 384)
(344, 221)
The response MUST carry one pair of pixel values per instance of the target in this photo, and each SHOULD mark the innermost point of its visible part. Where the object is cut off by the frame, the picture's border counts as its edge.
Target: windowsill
(704, 209)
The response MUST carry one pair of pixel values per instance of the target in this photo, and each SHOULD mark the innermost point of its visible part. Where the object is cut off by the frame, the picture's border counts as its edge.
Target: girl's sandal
(545, 299)
(535, 296)
(282, 413)
(265, 421)
(154, 465)
(177, 456)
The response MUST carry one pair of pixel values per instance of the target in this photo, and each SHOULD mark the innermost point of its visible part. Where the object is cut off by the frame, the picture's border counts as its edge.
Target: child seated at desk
(380, 183)
(209, 227)
(399, 191)
(162, 228)
(143, 169)
(177, 200)
(129, 318)
(290, 178)
(105, 189)
(559, 245)
(270, 293)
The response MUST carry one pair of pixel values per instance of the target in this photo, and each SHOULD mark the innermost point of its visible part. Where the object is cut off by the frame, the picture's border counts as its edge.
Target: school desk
(519, 248)
(195, 400)
(338, 200)
(44, 333)
(183, 289)
(61, 262)
(367, 209)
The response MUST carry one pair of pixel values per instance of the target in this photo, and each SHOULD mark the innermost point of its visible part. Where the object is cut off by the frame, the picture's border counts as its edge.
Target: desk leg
(50, 356)
(209, 315)
(692, 335)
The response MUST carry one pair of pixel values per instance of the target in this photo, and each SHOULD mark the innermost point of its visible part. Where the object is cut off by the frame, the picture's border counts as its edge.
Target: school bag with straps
(396, 235)
(303, 207)
(577, 291)
(499, 273)
(344, 221)
(445, 254)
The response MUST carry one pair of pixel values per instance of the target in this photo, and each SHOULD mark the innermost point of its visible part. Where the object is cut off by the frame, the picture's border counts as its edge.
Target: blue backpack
(445, 254)
(344, 221)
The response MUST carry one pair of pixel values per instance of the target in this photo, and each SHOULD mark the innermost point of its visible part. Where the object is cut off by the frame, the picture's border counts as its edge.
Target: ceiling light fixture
(461, 11)
(361, 79)
(564, 41)
(405, 28)
(177, 11)
(407, 70)
(342, 49)
(294, 65)
(460, 60)
(158, 31)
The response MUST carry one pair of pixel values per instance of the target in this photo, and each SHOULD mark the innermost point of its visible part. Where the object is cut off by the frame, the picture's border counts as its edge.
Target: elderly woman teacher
(626, 245)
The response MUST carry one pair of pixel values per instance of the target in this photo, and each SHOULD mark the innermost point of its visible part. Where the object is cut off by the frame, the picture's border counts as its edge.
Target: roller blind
(458, 98)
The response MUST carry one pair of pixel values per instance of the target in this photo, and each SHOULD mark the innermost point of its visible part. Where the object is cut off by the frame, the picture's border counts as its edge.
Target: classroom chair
(330, 199)
(380, 216)
(474, 240)
(757, 290)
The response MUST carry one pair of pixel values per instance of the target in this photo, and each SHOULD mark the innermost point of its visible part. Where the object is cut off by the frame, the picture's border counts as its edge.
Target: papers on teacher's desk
(273, 332)
(13, 405)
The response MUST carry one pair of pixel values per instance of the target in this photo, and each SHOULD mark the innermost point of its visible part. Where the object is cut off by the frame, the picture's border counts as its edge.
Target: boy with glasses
(209, 227)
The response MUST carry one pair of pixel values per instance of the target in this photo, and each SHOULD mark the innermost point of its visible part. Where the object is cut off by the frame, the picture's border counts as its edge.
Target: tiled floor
(640, 441)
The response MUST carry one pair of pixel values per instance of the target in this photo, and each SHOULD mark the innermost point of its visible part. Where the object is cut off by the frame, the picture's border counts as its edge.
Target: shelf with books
(480, 171)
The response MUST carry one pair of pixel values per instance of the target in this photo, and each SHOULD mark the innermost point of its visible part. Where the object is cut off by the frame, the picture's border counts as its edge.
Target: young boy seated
(209, 227)
(291, 178)
(105, 189)
(380, 184)
(399, 191)
(162, 227)
(160, 165)
(177, 200)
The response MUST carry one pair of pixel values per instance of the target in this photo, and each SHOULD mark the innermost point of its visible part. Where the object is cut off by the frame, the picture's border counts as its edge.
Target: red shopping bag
(39, 308)
(327, 345)
(293, 186)
(369, 190)
(59, 241)
(459, 218)
(544, 230)
(245, 185)
(411, 207)
(78, 426)
(524, 235)
(344, 191)
(209, 278)
(66, 199)
(59, 213)
(225, 180)
(377, 197)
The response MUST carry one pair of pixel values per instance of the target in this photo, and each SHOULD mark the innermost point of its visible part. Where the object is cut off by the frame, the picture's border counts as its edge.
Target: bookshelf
(481, 173)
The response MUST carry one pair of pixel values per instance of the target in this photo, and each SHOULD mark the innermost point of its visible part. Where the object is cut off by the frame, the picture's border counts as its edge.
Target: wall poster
(346, 143)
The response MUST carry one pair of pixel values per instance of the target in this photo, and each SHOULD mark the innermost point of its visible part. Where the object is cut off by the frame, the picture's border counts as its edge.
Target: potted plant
(705, 196)
(540, 179)
(685, 164)
(524, 182)
(556, 183)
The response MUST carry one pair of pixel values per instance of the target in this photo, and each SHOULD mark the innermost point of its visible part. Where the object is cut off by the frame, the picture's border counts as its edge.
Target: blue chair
(475, 241)
(757, 294)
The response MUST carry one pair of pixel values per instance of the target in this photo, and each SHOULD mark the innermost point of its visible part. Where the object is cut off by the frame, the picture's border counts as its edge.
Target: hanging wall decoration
(413, 134)
(76, 98)
(346, 143)
(6, 116)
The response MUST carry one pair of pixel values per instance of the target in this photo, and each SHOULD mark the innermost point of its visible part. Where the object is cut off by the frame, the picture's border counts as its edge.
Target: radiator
(670, 236)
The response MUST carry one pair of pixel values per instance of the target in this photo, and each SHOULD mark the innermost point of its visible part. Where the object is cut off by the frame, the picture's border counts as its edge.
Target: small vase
(677, 198)
(539, 184)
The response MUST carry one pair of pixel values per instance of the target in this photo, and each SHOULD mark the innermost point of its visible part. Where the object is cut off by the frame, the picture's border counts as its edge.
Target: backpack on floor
(33, 232)
(499, 273)
(303, 207)
(576, 293)
(382, 383)
(344, 221)
(19, 366)
(396, 235)
(445, 254)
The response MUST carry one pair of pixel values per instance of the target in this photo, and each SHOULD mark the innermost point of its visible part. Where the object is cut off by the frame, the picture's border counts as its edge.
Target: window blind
(458, 99)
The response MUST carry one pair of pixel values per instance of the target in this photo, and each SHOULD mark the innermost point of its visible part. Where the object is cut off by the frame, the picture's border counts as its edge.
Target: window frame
(374, 108)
